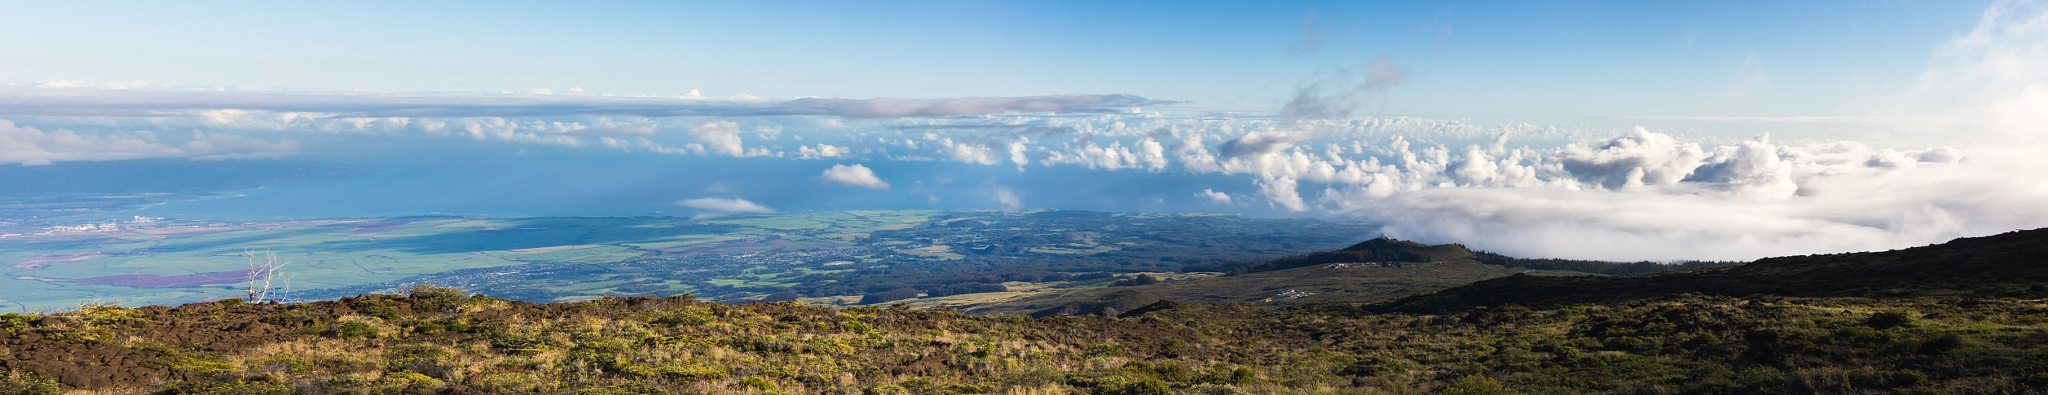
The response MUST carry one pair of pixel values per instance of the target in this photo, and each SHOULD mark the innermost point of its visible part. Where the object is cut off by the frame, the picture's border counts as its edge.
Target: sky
(1606, 130)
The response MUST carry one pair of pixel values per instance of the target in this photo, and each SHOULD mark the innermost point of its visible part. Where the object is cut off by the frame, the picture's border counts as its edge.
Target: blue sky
(1543, 59)
(1610, 130)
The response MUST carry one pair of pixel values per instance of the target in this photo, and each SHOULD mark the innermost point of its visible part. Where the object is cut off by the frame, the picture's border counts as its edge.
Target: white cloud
(1282, 191)
(1261, 143)
(718, 207)
(854, 176)
(128, 100)
(1634, 159)
(1017, 156)
(1008, 197)
(1211, 195)
(1995, 76)
(721, 137)
(967, 152)
(32, 146)
(1149, 155)
(1870, 210)
(822, 151)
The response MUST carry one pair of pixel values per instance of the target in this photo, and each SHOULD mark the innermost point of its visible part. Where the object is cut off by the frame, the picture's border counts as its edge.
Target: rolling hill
(2009, 264)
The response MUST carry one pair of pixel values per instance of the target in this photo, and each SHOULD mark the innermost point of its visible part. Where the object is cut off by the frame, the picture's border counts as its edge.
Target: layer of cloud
(1873, 210)
(95, 101)
(854, 175)
(718, 207)
(32, 146)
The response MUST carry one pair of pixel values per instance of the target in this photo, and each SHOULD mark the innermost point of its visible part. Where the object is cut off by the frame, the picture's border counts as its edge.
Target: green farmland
(816, 254)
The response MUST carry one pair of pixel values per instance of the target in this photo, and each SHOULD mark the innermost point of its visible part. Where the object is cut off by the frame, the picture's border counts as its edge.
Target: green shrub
(1941, 344)
(424, 359)
(508, 383)
(691, 373)
(351, 330)
(286, 363)
(884, 389)
(14, 323)
(79, 334)
(682, 316)
(1477, 385)
(414, 379)
(1890, 319)
(1214, 389)
(29, 383)
(429, 298)
(756, 383)
(379, 310)
(182, 362)
(234, 387)
(518, 341)
(1121, 385)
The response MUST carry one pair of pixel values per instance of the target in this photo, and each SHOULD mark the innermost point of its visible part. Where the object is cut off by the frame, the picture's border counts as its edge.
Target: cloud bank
(31, 146)
(719, 207)
(95, 101)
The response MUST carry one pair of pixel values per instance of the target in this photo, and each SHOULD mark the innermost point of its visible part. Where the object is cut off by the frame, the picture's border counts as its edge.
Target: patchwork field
(818, 254)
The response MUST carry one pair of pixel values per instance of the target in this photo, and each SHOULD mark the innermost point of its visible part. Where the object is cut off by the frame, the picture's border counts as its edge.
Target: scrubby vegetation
(440, 340)
(1588, 266)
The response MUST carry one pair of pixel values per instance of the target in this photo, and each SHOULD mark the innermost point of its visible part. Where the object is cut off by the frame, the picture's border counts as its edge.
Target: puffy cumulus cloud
(76, 100)
(32, 146)
(1212, 196)
(1634, 159)
(718, 207)
(1754, 169)
(853, 176)
(1282, 192)
(1260, 143)
(822, 151)
(720, 137)
(967, 152)
(1145, 154)
(1017, 153)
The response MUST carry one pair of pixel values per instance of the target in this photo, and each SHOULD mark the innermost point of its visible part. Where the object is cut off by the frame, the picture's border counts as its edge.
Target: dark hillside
(1382, 249)
(1395, 253)
(2009, 264)
(1596, 267)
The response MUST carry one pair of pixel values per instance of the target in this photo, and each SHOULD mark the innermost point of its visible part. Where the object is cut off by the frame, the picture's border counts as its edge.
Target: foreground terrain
(1972, 321)
(437, 340)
